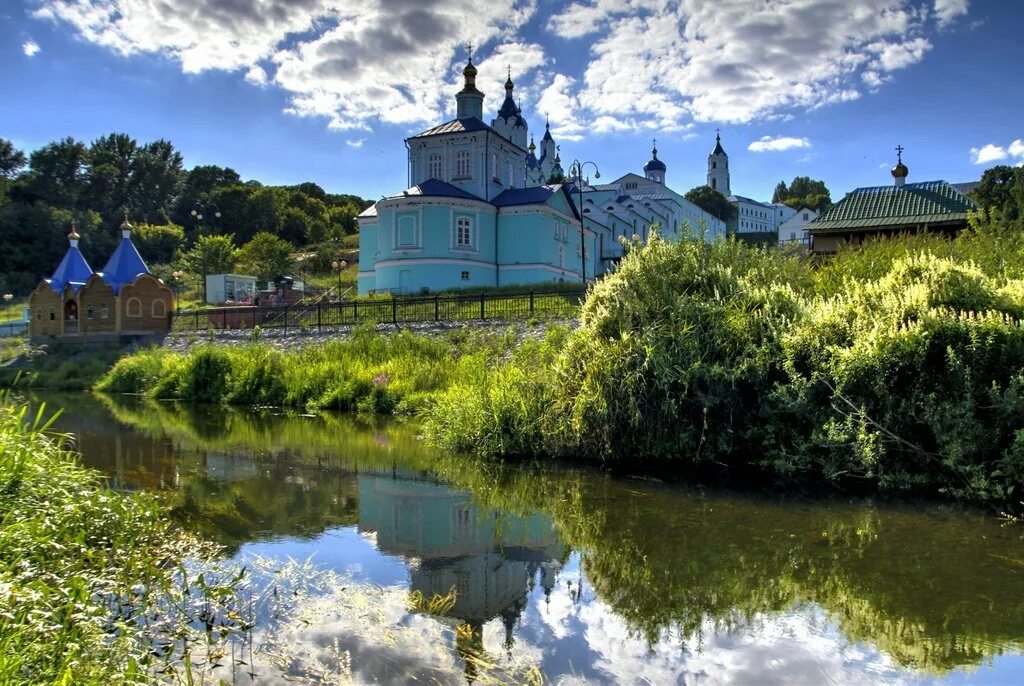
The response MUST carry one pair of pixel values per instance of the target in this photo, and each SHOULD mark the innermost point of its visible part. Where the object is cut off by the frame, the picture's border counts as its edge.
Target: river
(563, 574)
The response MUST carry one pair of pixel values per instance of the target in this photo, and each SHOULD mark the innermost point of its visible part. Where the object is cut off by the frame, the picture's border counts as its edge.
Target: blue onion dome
(655, 164)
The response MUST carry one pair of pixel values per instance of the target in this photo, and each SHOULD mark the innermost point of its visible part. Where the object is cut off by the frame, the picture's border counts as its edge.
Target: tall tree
(57, 174)
(712, 202)
(12, 160)
(157, 178)
(803, 192)
(266, 256)
(1001, 189)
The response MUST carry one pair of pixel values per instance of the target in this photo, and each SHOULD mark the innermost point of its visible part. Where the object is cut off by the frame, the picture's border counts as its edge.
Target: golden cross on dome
(469, 52)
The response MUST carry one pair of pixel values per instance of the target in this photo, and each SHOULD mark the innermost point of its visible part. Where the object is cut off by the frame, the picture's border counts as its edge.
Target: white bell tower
(718, 167)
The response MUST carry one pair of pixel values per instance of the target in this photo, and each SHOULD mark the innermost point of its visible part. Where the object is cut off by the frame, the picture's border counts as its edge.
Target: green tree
(35, 239)
(1001, 189)
(266, 256)
(57, 174)
(156, 180)
(212, 254)
(712, 202)
(159, 243)
(803, 192)
(12, 160)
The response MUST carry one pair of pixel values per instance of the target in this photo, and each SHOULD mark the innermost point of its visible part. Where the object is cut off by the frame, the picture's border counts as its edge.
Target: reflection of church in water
(492, 560)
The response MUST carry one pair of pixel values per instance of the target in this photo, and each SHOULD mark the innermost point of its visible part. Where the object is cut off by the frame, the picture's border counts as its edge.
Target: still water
(580, 576)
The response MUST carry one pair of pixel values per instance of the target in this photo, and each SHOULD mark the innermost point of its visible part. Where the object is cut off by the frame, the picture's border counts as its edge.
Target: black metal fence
(398, 310)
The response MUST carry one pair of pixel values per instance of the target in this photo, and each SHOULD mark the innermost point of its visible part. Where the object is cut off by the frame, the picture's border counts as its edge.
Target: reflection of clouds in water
(578, 643)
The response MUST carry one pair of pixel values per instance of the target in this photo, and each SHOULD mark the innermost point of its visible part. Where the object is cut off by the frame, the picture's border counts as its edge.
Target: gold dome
(126, 225)
(470, 70)
(900, 171)
(73, 236)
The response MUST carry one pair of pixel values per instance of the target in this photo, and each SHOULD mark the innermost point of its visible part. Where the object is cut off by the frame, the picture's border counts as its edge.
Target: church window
(51, 314)
(510, 171)
(464, 232)
(104, 311)
(561, 256)
(434, 171)
(462, 169)
(714, 165)
(158, 309)
(465, 276)
(90, 312)
(406, 232)
(494, 165)
(134, 307)
(714, 183)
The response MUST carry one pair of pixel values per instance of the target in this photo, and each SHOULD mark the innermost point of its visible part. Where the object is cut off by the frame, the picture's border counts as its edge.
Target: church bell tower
(718, 167)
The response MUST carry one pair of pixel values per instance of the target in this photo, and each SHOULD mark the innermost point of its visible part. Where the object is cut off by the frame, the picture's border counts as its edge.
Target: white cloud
(650, 64)
(256, 75)
(948, 10)
(355, 142)
(1016, 149)
(769, 144)
(30, 48)
(988, 153)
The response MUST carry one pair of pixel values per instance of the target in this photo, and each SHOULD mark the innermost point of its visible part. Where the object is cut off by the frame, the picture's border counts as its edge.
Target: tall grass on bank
(366, 372)
(86, 574)
(898, 366)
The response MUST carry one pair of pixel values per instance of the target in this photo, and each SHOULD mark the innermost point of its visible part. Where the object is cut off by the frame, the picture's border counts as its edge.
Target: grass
(60, 367)
(83, 569)
(367, 372)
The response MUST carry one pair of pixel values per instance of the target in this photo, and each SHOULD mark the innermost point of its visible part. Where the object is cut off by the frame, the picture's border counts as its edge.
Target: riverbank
(86, 574)
(895, 367)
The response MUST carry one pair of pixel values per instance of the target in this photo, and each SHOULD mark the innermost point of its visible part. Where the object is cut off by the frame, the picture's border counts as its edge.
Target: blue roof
(454, 126)
(438, 189)
(535, 195)
(124, 265)
(73, 269)
(508, 108)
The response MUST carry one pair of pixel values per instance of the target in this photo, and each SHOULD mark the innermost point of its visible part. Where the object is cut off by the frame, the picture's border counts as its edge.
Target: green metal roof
(929, 202)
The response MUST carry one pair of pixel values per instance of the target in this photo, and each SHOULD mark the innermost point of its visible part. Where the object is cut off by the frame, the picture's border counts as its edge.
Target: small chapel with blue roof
(482, 209)
(124, 299)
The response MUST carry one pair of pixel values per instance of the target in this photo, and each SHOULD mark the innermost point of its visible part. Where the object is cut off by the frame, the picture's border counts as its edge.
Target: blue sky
(325, 90)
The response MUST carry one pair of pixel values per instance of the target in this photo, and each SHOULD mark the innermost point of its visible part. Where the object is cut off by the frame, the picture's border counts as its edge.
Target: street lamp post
(177, 276)
(339, 266)
(197, 214)
(577, 170)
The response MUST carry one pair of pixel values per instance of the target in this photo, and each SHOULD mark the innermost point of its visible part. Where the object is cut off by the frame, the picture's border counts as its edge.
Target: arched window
(462, 169)
(52, 315)
(511, 180)
(714, 183)
(494, 165)
(714, 165)
(561, 256)
(463, 232)
(159, 309)
(134, 307)
(90, 312)
(104, 311)
(434, 166)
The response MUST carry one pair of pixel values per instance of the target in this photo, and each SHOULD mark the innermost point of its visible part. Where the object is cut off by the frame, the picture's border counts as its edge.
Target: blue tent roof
(534, 195)
(124, 265)
(73, 269)
(436, 188)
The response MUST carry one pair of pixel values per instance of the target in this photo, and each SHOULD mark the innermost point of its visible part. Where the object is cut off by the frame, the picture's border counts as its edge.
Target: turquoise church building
(484, 210)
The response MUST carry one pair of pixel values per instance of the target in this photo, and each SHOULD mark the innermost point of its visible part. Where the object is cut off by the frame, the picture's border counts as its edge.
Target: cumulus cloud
(988, 153)
(30, 48)
(256, 75)
(769, 144)
(946, 11)
(651, 64)
(355, 142)
(1016, 149)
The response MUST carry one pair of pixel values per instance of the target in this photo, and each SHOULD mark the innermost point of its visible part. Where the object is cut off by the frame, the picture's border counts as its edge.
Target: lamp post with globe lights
(576, 171)
(177, 277)
(339, 266)
(198, 213)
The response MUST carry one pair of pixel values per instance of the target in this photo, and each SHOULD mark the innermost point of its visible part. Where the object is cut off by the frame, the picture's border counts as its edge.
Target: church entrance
(71, 317)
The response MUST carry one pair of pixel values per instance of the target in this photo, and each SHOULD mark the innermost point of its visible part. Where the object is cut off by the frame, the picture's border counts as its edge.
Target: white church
(483, 210)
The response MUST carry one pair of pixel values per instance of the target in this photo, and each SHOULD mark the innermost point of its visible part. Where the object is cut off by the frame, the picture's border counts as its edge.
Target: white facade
(753, 216)
(793, 231)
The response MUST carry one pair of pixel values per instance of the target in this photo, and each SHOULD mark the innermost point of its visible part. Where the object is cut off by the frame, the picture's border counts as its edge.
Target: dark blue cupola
(73, 270)
(655, 169)
(126, 264)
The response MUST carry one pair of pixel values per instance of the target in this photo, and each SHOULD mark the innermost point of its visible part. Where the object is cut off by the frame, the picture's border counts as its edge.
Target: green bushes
(898, 367)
